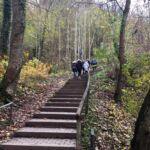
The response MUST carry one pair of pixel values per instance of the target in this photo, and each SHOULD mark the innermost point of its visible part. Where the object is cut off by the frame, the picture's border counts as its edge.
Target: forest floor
(29, 99)
(113, 126)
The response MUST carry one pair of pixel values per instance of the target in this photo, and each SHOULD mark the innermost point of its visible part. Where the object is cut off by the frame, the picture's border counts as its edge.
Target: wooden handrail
(10, 105)
(79, 110)
(92, 139)
(79, 115)
(7, 105)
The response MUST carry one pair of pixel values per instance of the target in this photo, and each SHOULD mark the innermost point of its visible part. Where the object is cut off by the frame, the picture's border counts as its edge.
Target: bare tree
(121, 54)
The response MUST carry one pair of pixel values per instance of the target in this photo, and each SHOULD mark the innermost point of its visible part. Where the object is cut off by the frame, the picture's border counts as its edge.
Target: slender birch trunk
(84, 44)
(75, 41)
(59, 43)
(89, 40)
(68, 39)
(79, 41)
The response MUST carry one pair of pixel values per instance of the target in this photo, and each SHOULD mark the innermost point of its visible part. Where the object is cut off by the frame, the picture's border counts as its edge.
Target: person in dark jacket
(74, 68)
(94, 64)
(79, 67)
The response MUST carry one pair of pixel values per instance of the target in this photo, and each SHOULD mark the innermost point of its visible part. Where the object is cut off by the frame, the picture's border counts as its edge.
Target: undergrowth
(33, 73)
(113, 125)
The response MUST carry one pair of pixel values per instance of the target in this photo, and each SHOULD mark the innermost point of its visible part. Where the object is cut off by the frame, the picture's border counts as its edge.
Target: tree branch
(99, 4)
(119, 5)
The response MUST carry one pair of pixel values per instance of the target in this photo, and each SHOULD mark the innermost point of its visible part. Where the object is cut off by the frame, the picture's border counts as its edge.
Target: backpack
(73, 65)
(93, 62)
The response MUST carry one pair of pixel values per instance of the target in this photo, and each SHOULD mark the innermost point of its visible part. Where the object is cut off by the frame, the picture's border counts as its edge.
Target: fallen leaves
(113, 125)
(29, 101)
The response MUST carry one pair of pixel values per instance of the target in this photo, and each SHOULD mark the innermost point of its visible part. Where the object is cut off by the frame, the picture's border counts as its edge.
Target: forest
(42, 102)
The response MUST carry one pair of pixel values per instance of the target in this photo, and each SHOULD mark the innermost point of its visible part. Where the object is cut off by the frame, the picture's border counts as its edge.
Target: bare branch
(99, 4)
(36, 4)
(119, 5)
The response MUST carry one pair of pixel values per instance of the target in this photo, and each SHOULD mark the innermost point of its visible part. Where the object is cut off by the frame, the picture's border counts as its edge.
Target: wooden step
(51, 123)
(65, 104)
(65, 99)
(55, 115)
(75, 84)
(54, 127)
(61, 133)
(58, 109)
(39, 144)
(67, 96)
(76, 81)
(79, 82)
(70, 92)
(75, 87)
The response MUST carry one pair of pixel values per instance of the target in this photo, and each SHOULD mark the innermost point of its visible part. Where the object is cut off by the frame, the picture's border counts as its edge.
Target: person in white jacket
(86, 67)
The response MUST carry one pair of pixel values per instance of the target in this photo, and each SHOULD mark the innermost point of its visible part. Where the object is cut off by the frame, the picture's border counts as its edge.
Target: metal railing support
(87, 103)
(92, 140)
(78, 141)
(9, 108)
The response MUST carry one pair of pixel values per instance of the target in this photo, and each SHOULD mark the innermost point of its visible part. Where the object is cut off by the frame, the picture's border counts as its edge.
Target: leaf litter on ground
(112, 124)
(28, 100)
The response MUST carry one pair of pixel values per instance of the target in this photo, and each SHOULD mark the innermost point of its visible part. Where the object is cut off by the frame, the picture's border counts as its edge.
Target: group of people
(82, 67)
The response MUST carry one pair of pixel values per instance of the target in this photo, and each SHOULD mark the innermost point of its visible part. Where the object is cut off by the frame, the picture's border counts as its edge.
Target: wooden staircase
(54, 127)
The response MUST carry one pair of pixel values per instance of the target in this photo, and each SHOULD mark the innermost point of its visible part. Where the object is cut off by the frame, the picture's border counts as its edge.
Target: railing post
(78, 144)
(9, 108)
(79, 117)
(10, 114)
(92, 140)
(87, 103)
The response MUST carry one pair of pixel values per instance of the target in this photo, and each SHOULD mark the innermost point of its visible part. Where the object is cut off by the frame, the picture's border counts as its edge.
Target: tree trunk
(42, 40)
(89, 42)
(5, 27)
(121, 56)
(79, 42)
(85, 33)
(9, 82)
(59, 43)
(141, 139)
(75, 39)
(68, 39)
